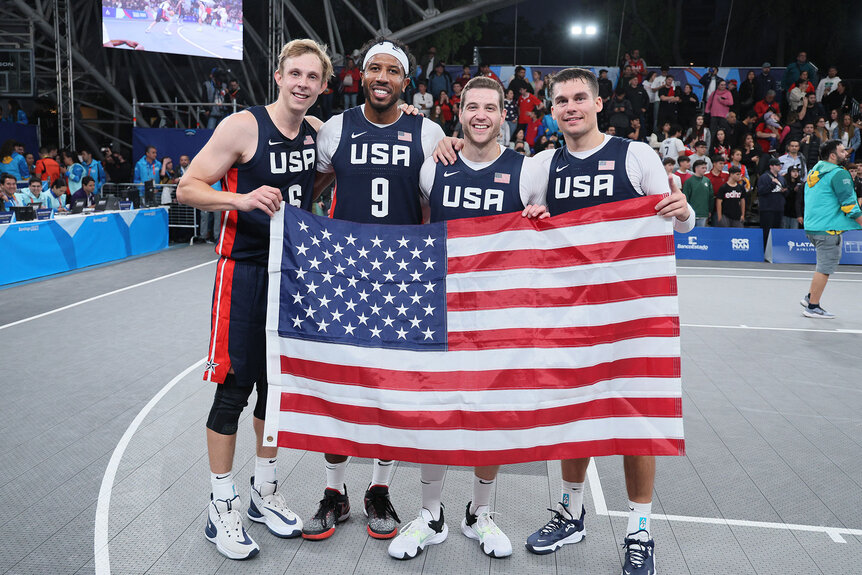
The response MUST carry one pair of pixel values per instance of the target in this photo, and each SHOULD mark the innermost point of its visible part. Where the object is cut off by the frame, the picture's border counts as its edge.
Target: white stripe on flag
(562, 317)
(496, 400)
(450, 361)
(574, 276)
(550, 239)
(486, 440)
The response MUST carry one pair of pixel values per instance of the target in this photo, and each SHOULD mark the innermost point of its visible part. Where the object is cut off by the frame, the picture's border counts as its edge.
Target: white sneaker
(268, 507)
(225, 529)
(481, 527)
(418, 534)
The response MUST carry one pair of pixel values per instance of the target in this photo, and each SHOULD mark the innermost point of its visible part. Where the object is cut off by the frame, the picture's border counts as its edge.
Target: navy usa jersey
(462, 192)
(280, 162)
(382, 166)
(575, 183)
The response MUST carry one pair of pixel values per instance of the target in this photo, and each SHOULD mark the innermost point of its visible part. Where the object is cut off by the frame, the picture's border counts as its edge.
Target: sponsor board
(721, 244)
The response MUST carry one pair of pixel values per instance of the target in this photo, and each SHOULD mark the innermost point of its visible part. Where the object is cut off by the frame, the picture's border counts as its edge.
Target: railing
(179, 215)
(184, 114)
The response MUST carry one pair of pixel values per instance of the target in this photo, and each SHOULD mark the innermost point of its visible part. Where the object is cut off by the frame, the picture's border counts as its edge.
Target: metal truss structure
(84, 92)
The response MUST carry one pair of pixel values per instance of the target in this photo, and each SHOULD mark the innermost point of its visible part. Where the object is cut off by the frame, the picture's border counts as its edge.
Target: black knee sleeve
(228, 403)
(260, 406)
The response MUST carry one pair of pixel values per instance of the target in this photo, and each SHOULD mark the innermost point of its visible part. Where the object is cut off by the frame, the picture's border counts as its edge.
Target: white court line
(100, 538)
(767, 328)
(679, 267)
(180, 34)
(711, 276)
(116, 291)
(602, 509)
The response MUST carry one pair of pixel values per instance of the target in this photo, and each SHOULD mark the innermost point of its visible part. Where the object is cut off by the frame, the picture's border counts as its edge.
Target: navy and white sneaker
(268, 507)
(640, 555)
(225, 529)
(817, 312)
(562, 529)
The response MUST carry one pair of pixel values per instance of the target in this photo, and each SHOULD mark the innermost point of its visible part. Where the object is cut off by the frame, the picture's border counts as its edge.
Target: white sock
(572, 497)
(639, 515)
(482, 489)
(431, 477)
(335, 473)
(264, 471)
(381, 472)
(222, 485)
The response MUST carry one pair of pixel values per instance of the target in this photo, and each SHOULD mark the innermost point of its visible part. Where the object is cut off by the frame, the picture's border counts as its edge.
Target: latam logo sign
(793, 247)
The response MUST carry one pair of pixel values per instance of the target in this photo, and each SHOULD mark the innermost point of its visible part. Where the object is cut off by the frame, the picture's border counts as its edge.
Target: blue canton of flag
(376, 286)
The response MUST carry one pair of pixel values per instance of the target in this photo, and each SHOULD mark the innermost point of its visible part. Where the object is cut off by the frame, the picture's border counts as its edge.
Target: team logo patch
(501, 178)
(405, 136)
(309, 141)
(606, 164)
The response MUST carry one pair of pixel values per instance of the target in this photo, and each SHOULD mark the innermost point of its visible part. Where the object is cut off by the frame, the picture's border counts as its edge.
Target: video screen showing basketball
(210, 28)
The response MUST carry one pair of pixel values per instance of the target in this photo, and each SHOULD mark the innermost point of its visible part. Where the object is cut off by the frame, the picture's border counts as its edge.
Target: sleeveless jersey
(574, 183)
(278, 162)
(378, 170)
(461, 192)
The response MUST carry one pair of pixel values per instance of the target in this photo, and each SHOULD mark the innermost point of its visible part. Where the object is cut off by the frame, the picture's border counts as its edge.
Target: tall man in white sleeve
(375, 153)
(610, 169)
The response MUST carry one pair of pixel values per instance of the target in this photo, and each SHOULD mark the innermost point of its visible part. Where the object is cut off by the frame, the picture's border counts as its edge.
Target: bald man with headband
(374, 152)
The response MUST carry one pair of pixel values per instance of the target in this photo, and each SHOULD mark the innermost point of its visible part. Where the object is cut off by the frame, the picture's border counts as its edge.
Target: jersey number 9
(380, 197)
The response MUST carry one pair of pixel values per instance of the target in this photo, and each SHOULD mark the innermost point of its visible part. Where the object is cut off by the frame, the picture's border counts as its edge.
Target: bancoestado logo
(739, 244)
(800, 246)
(692, 245)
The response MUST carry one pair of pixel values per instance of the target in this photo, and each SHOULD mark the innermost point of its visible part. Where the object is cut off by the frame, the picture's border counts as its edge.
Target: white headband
(387, 47)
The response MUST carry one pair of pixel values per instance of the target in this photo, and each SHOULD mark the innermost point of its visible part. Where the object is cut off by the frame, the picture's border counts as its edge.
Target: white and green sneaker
(418, 534)
(481, 527)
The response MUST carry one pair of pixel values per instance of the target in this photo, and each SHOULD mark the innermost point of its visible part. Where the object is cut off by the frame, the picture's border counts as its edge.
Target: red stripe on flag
(558, 378)
(560, 257)
(484, 420)
(564, 336)
(614, 211)
(564, 296)
(571, 450)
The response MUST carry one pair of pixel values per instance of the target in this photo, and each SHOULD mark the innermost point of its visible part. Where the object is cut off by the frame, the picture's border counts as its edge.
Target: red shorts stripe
(562, 296)
(564, 336)
(218, 359)
(229, 218)
(561, 257)
(614, 211)
(559, 378)
(573, 450)
(484, 420)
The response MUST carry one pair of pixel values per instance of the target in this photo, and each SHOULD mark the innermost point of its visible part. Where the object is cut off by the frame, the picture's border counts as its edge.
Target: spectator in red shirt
(465, 76)
(350, 82)
(485, 70)
(526, 103)
(47, 167)
(718, 177)
(768, 102)
(638, 65)
(683, 171)
(534, 128)
(445, 108)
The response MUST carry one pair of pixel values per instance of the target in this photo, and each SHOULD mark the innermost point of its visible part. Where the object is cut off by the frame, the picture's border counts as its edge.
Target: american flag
(501, 178)
(405, 136)
(477, 341)
(606, 164)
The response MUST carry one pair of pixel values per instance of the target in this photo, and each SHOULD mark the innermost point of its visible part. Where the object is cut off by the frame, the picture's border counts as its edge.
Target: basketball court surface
(103, 464)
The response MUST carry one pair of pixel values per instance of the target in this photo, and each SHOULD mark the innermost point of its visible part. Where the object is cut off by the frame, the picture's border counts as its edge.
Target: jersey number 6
(380, 197)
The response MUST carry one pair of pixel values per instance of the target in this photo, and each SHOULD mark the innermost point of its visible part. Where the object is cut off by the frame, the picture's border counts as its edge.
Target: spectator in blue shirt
(33, 194)
(93, 168)
(20, 161)
(148, 167)
(55, 198)
(16, 114)
(9, 192)
(74, 171)
(440, 80)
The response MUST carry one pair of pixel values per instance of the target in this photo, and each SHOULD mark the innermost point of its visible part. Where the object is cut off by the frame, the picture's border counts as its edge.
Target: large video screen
(211, 28)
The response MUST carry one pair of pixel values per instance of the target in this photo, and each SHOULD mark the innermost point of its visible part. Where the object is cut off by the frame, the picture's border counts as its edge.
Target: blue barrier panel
(147, 230)
(793, 247)
(33, 249)
(101, 239)
(171, 142)
(726, 244)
